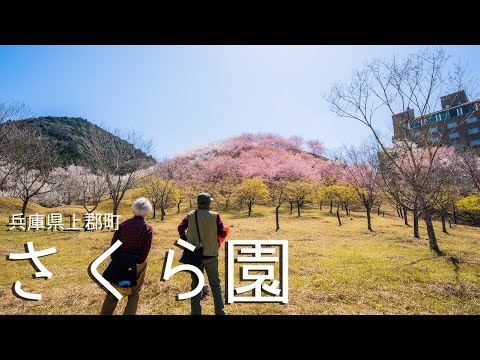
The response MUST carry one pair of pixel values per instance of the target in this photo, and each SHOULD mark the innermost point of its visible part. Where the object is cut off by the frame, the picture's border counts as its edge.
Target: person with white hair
(136, 237)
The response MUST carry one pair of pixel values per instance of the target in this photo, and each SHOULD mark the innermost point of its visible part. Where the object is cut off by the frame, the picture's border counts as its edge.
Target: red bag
(222, 239)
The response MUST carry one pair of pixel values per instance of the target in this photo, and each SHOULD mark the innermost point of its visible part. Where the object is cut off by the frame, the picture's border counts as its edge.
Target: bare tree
(66, 191)
(402, 198)
(400, 86)
(151, 189)
(10, 137)
(119, 161)
(448, 195)
(36, 157)
(92, 188)
(166, 190)
(469, 161)
(361, 170)
(278, 193)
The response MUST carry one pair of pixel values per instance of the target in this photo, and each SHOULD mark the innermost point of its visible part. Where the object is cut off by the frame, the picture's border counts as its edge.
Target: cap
(204, 198)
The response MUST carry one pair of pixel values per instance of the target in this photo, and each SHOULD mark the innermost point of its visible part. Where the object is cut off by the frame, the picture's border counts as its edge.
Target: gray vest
(207, 221)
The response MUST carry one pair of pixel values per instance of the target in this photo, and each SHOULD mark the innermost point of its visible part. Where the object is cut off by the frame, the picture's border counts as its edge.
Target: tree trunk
(444, 227)
(115, 212)
(454, 215)
(162, 213)
(331, 206)
(346, 209)
(396, 208)
(369, 218)
(249, 208)
(405, 215)
(24, 206)
(432, 239)
(191, 202)
(400, 210)
(277, 222)
(298, 208)
(416, 233)
(342, 206)
(291, 207)
(450, 222)
(154, 210)
(178, 208)
(321, 205)
(378, 210)
(226, 204)
(338, 217)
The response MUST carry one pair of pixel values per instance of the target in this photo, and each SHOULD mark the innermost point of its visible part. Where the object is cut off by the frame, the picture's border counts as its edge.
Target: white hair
(141, 206)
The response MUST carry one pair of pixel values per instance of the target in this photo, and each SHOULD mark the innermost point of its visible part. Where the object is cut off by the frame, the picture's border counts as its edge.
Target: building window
(443, 115)
(453, 135)
(432, 119)
(472, 120)
(433, 129)
(435, 139)
(468, 109)
(452, 113)
(475, 142)
(415, 124)
(474, 131)
(452, 125)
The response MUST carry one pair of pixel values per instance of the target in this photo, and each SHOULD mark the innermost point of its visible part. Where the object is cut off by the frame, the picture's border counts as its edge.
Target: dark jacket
(136, 237)
(123, 267)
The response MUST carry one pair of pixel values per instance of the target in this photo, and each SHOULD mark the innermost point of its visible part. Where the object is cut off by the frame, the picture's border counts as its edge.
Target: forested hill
(66, 132)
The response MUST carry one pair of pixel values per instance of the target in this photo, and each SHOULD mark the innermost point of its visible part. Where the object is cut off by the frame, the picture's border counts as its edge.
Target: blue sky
(186, 96)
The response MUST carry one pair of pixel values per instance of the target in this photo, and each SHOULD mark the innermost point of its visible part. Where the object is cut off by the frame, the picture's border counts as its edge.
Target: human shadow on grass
(456, 269)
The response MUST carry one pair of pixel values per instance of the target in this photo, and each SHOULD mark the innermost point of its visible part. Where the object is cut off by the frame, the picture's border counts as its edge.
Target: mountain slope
(66, 132)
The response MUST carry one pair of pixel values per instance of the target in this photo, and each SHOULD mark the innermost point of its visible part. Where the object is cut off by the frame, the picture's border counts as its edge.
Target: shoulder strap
(198, 230)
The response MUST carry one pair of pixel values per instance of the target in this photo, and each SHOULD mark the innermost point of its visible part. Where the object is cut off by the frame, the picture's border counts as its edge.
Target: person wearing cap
(210, 226)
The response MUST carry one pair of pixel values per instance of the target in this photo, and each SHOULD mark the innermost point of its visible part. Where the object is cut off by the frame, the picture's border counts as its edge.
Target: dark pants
(210, 265)
(110, 302)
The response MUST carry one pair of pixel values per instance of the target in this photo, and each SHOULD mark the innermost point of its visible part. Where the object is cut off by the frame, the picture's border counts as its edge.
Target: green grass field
(332, 270)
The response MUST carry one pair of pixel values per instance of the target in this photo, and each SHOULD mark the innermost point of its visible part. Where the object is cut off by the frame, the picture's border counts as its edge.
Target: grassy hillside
(333, 270)
(9, 205)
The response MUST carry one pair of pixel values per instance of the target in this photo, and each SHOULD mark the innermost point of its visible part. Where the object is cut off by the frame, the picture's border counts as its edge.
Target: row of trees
(357, 178)
(417, 175)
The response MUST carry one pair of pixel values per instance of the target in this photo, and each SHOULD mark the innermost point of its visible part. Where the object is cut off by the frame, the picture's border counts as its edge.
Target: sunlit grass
(333, 269)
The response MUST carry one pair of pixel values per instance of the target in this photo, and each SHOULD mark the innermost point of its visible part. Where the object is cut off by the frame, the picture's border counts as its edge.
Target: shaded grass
(332, 269)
